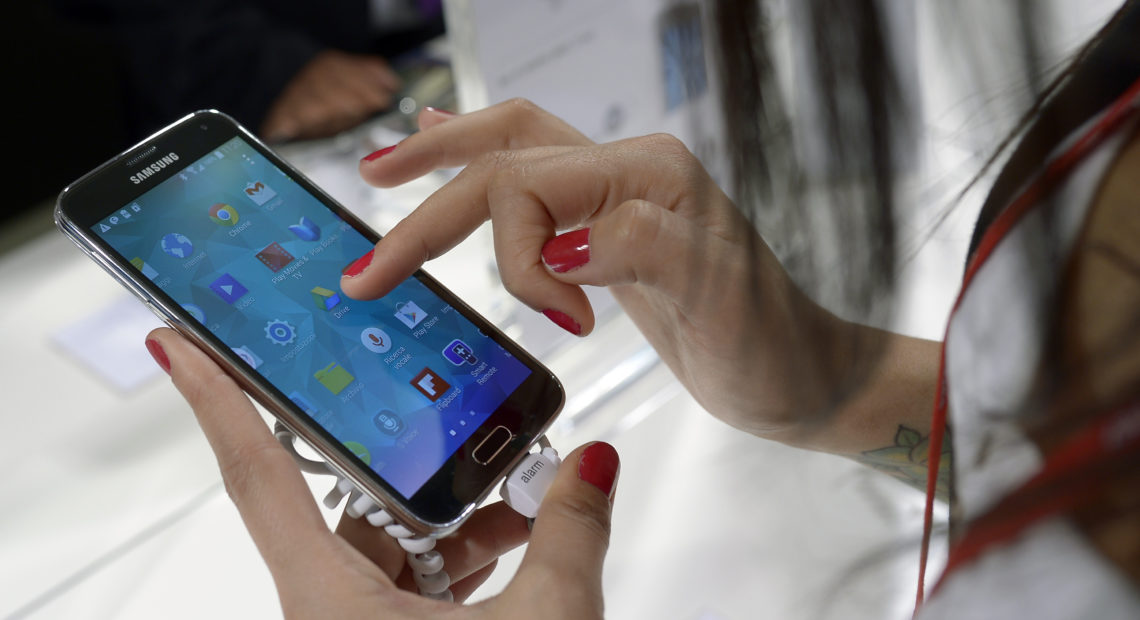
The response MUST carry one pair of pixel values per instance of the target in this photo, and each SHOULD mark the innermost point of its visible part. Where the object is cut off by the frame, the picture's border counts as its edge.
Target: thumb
(563, 562)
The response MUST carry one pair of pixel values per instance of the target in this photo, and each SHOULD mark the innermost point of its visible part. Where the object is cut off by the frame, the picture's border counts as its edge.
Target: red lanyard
(1059, 487)
(1053, 174)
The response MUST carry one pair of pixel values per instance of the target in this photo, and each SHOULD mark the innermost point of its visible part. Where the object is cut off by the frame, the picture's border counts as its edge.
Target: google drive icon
(324, 298)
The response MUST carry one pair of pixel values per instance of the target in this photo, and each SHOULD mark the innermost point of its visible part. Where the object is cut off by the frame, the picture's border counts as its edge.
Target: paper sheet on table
(109, 343)
(610, 69)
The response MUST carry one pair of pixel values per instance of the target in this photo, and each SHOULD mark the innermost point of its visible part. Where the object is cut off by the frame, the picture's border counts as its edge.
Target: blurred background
(112, 506)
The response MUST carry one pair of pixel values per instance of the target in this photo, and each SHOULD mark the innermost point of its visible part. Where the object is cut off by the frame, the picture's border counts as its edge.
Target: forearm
(759, 354)
(880, 403)
(888, 422)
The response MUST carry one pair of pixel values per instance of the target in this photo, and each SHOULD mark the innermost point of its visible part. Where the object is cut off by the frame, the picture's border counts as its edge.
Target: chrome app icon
(224, 214)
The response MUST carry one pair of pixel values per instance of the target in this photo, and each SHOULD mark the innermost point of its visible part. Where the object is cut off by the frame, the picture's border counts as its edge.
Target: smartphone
(414, 397)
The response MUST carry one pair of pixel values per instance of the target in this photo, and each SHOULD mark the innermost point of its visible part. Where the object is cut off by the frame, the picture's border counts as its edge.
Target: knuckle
(671, 153)
(639, 225)
(639, 229)
(528, 122)
(666, 144)
(522, 108)
(494, 164)
(510, 281)
(411, 242)
(506, 173)
(513, 281)
(519, 272)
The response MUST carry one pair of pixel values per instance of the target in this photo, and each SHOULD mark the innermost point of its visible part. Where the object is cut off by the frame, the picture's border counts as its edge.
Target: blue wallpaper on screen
(403, 381)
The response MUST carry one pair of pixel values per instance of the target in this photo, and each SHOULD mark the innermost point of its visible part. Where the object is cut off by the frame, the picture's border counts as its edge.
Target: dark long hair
(831, 214)
(844, 191)
(842, 167)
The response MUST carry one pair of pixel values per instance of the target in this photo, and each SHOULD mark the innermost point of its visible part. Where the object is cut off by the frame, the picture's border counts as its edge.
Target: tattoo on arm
(906, 460)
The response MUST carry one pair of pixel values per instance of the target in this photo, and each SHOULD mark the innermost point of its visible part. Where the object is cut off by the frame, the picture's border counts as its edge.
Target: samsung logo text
(154, 168)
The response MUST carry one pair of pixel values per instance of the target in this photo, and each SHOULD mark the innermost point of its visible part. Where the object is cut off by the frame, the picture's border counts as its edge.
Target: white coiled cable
(425, 561)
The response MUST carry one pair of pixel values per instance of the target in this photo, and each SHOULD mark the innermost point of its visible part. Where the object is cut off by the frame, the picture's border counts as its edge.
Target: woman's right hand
(643, 218)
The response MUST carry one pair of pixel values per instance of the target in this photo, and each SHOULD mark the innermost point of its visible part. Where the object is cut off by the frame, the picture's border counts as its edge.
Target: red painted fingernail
(567, 251)
(359, 265)
(564, 321)
(599, 466)
(159, 355)
(428, 108)
(378, 154)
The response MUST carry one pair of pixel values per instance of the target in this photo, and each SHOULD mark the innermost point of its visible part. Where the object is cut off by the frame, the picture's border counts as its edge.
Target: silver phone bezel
(282, 411)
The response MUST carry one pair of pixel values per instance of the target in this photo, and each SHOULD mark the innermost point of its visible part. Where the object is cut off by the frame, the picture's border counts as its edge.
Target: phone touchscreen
(401, 381)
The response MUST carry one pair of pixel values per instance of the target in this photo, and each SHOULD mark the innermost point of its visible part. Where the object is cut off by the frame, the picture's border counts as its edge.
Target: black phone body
(414, 397)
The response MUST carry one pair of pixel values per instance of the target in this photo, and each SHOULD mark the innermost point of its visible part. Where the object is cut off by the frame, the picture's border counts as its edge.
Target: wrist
(823, 367)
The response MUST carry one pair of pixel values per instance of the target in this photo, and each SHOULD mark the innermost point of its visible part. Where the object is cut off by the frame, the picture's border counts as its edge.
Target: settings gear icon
(280, 332)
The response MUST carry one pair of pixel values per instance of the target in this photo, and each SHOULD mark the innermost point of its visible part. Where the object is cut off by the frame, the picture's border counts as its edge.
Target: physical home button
(492, 444)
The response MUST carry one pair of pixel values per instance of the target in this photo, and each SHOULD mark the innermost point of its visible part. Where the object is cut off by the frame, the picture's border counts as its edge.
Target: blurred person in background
(289, 70)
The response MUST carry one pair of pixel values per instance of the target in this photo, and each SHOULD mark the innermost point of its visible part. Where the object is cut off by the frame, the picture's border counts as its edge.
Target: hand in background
(333, 92)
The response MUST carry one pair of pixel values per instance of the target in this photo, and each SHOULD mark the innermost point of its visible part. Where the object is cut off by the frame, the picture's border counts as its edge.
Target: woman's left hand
(359, 570)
